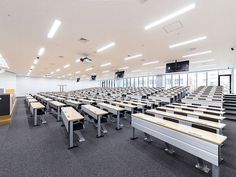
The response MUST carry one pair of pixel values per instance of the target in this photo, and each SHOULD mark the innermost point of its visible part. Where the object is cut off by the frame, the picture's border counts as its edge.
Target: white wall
(8, 80)
(34, 85)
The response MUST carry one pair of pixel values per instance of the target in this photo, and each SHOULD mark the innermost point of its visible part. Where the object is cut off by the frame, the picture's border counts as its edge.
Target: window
(128, 82)
(125, 82)
(132, 82)
(201, 79)
(136, 82)
(192, 81)
(175, 80)
(145, 81)
(212, 78)
(183, 80)
(154, 81)
(168, 81)
(140, 81)
(150, 81)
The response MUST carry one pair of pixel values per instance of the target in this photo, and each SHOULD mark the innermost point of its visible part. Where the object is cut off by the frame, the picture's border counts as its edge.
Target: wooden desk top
(135, 103)
(37, 105)
(193, 113)
(109, 106)
(197, 109)
(32, 100)
(86, 101)
(57, 104)
(73, 102)
(194, 132)
(202, 122)
(95, 110)
(71, 114)
(123, 104)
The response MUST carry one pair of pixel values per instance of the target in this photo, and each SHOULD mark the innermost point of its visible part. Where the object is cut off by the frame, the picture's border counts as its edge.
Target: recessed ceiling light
(54, 28)
(202, 61)
(88, 69)
(123, 68)
(107, 71)
(105, 64)
(171, 16)
(52, 72)
(197, 54)
(66, 66)
(57, 70)
(138, 70)
(32, 67)
(150, 63)
(133, 57)
(188, 42)
(77, 72)
(70, 74)
(106, 47)
(77, 60)
(41, 51)
(30, 70)
(36, 61)
(63, 76)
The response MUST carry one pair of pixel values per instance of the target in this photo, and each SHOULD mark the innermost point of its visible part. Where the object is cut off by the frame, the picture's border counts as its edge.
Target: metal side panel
(199, 148)
(89, 112)
(65, 121)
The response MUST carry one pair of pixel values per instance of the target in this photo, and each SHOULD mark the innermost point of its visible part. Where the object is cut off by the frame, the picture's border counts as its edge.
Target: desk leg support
(169, 148)
(71, 135)
(99, 127)
(202, 166)
(58, 114)
(118, 121)
(35, 117)
(148, 138)
(215, 171)
(133, 136)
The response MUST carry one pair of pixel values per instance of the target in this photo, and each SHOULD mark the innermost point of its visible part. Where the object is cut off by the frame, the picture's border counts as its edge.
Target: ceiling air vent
(83, 40)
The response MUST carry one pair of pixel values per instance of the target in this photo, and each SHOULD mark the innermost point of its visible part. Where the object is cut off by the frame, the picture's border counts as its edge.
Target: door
(225, 81)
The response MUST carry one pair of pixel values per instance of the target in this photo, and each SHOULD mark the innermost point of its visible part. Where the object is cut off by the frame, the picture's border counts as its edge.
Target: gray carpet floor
(42, 152)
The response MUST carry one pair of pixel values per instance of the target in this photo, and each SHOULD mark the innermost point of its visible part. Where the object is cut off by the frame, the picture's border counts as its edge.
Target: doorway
(225, 81)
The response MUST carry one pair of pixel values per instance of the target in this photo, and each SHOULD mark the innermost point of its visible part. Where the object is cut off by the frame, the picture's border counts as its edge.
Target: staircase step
(230, 112)
(229, 108)
(229, 104)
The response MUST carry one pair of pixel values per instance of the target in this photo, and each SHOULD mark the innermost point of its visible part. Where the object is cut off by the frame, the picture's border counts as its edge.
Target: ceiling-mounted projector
(86, 60)
(3, 64)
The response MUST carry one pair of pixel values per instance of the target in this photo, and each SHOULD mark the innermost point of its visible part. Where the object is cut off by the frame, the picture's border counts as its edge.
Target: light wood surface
(32, 100)
(116, 108)
(37, 105)
(71, 114)
(123, 104)
(193, 113)
(56, 103)
(73, 102)
(95, 110)
(197, 121)
(197, 133)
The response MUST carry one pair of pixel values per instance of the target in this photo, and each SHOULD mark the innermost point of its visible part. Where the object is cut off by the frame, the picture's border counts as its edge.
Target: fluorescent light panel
(188, 42)
(133, 57)
(126, 67)
(57, 70)
(197, 54)
(66, 66)
(105, 64)
(41, 51)
(150, 63)
(107, 71)
(36, 61)
(138, 70)
(88, 69)
(106, 47)
(202, 61)
(171, 16)
(77, 60)
(54, 28)
(160, 67)
(77, 72)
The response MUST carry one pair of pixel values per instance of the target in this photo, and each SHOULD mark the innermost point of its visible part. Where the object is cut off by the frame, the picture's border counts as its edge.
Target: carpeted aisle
(42, 152)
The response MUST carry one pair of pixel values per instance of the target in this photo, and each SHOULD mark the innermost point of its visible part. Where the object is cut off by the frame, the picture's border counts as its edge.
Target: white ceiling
(25, 24)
